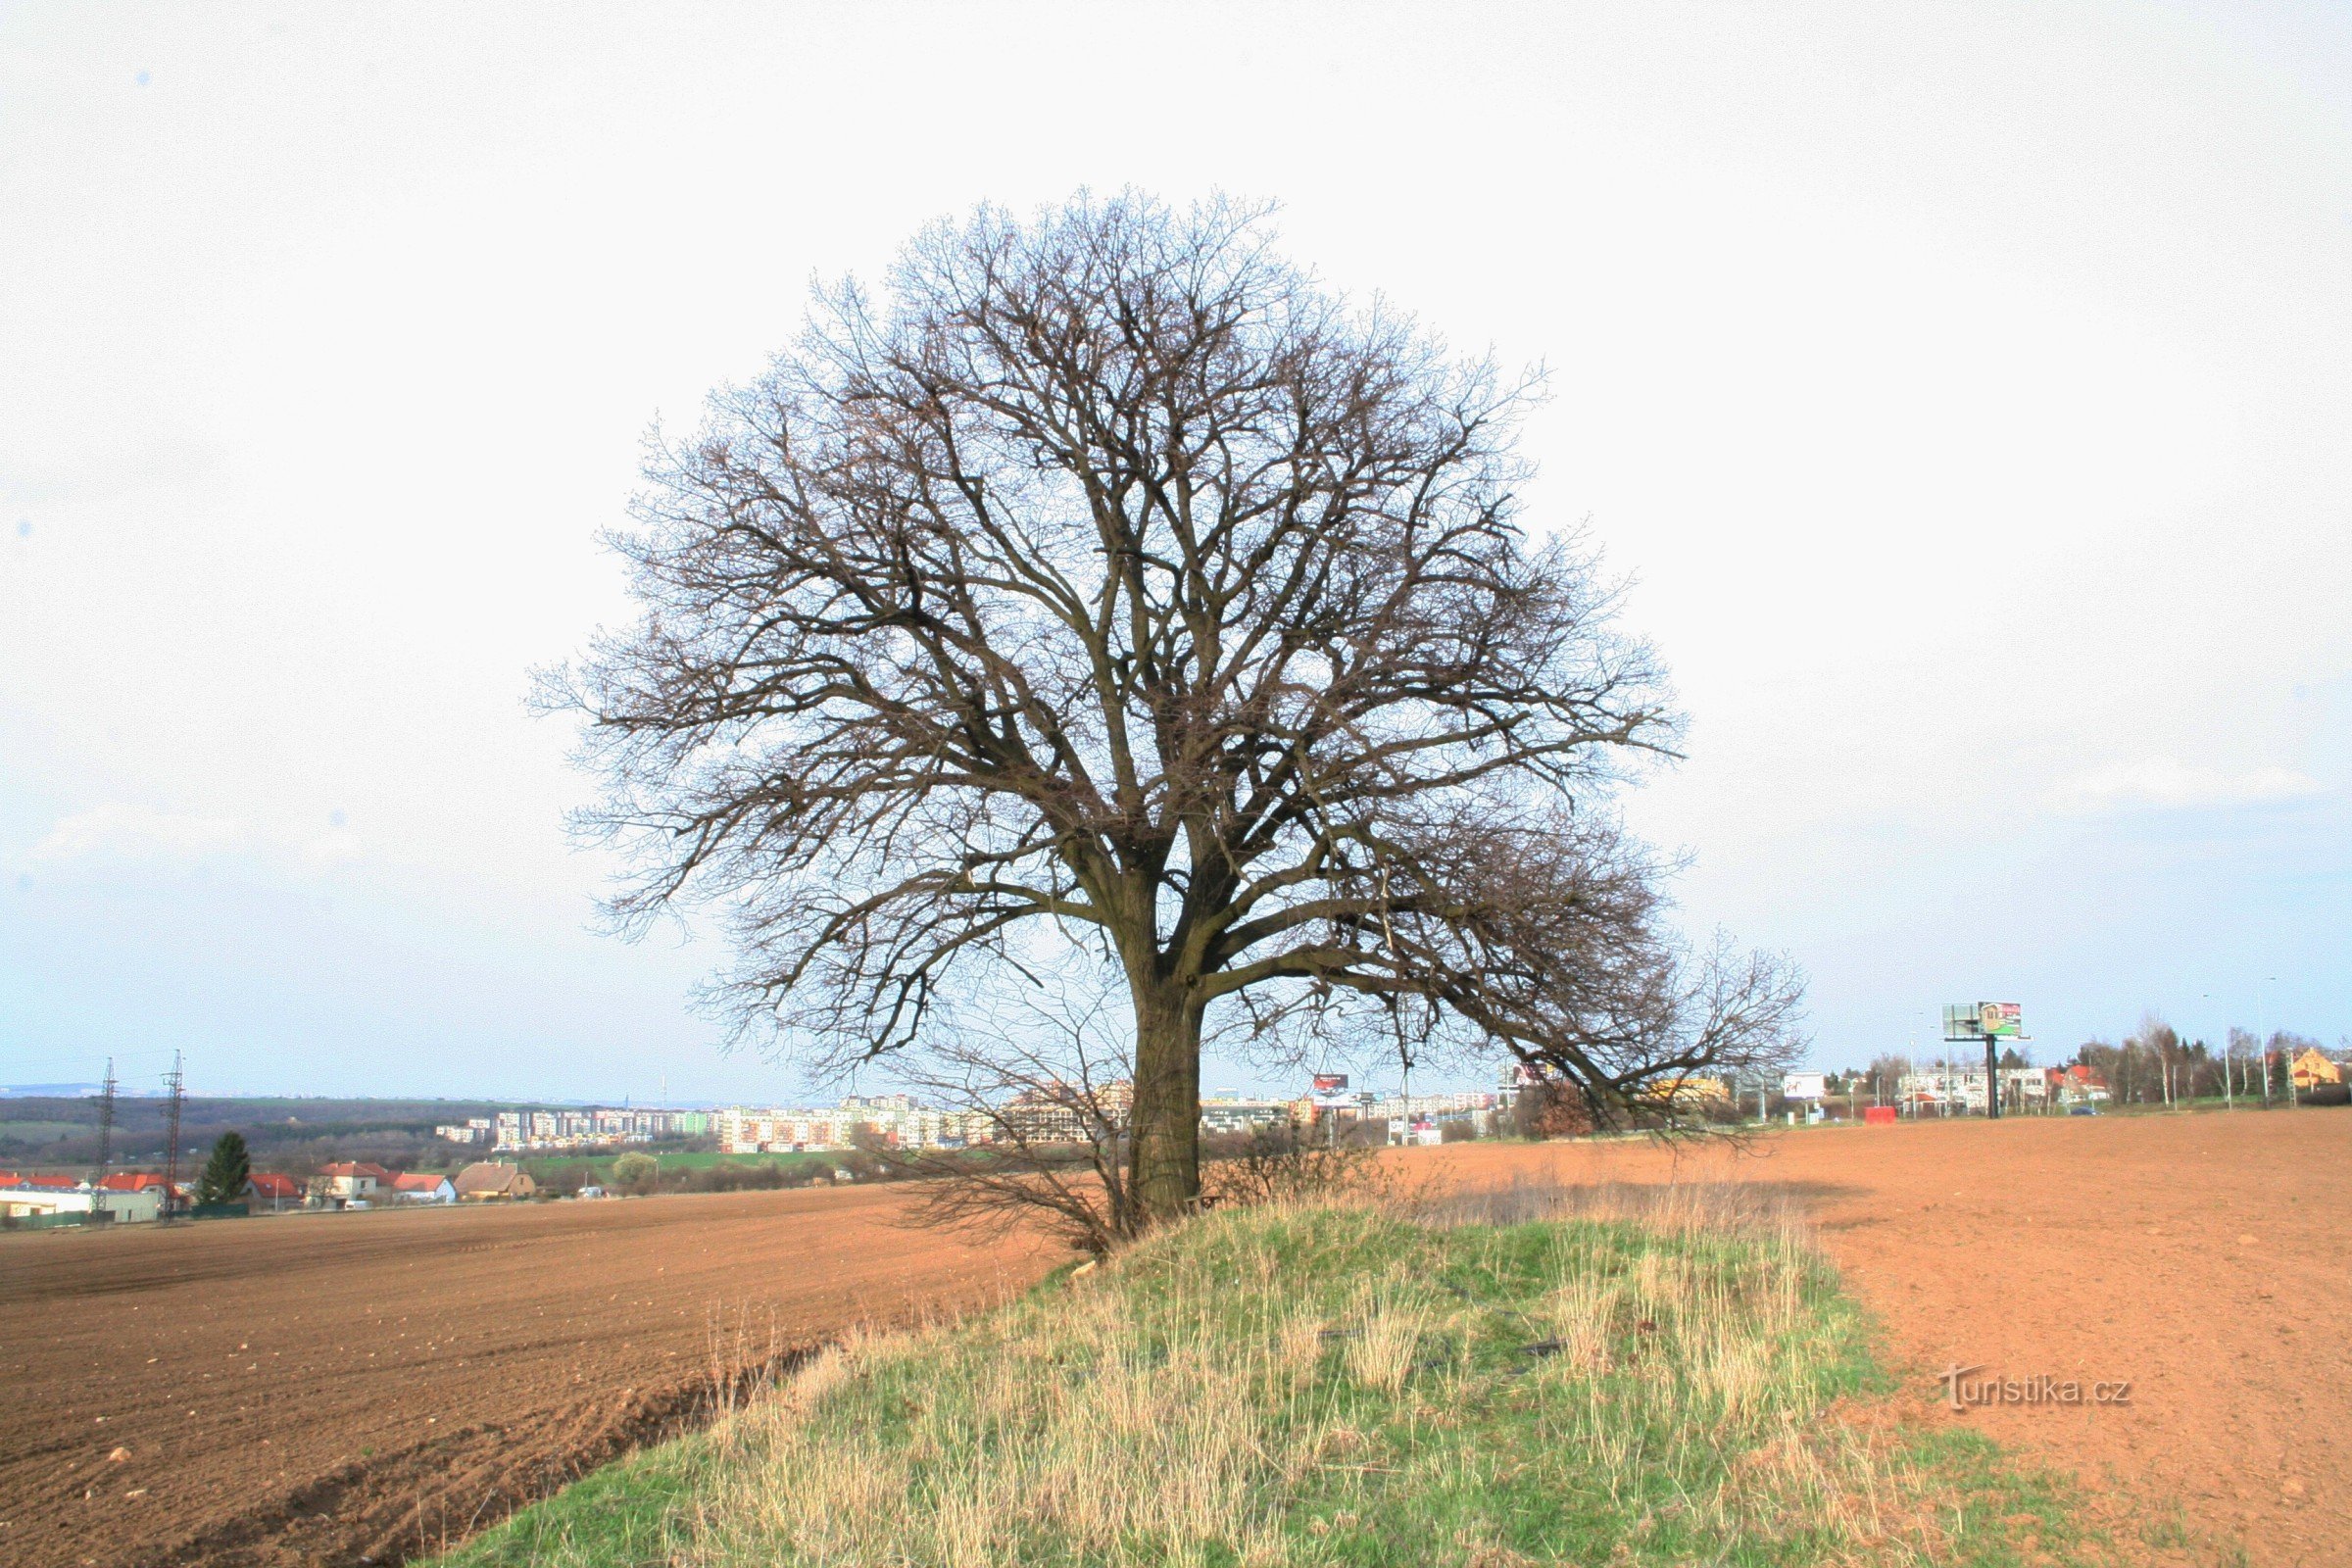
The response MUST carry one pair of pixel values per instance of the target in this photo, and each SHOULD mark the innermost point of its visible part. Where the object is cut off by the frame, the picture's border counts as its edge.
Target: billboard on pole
(1804, 1086)
(1982, 1020)
(1331, 1089)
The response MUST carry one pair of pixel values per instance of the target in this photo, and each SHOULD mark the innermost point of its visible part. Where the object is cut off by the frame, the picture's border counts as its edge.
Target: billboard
(1982, 1020)
(1331, 1089)
(1804, 1086)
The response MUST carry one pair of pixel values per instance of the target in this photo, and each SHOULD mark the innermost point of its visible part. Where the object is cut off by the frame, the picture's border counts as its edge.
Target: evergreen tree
(226, 1172)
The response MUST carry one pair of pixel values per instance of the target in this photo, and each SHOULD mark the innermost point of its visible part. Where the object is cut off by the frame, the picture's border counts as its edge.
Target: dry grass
(1526, 1375)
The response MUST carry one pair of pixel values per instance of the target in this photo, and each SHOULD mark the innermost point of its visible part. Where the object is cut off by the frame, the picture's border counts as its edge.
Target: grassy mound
(1338, 1385)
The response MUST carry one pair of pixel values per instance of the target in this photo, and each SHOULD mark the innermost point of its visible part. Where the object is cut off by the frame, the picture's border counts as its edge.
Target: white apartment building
(894, 1119)
(1963, 1091)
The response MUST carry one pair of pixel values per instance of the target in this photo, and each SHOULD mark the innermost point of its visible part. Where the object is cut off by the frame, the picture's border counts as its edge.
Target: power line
(172, 1086)
(106, 1143)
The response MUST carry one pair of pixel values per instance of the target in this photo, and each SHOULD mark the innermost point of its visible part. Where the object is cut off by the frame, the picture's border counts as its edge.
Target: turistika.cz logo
(1965, 1393)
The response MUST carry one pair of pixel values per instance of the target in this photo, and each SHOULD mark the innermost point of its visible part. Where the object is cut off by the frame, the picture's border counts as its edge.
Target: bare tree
(1888, 1070)
(1108, 571)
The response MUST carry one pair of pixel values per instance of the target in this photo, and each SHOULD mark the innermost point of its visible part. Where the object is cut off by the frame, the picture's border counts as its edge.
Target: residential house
(351, 1181)
(415, 1187)
(273, 1192)
(487, 1180)
(2311, 1070)
(2076, 1084)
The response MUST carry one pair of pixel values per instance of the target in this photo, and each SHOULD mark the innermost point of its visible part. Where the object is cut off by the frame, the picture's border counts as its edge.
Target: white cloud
(134, 833)
(152, 835)
(2165, 783)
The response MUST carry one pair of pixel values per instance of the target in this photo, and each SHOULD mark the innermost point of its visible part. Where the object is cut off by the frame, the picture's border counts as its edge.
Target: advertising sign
(1804, 1086)
(1982, 1020)
(1331, 1089)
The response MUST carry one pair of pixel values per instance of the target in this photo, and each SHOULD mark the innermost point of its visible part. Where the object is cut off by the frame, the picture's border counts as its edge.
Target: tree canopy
(1106, 574)
(228, 1170)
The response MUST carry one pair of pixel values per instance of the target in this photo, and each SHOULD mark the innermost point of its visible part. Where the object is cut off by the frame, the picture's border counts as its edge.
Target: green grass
(634, 1512)
(1339, 1385)
(541, 1166)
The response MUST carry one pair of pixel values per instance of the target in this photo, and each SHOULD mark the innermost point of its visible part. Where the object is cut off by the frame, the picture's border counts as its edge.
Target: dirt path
(325, 1389)
(2205, 1259)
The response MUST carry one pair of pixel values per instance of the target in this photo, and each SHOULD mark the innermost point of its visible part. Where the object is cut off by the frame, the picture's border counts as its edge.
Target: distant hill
(60, 1126)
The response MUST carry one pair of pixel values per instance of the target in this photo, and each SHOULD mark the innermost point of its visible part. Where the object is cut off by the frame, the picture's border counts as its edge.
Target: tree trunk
(1166, 1152)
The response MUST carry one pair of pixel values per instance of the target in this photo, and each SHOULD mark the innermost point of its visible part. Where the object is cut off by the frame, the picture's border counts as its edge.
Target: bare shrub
(1545, 1109)
(1041, 1082)
(1286, 1164)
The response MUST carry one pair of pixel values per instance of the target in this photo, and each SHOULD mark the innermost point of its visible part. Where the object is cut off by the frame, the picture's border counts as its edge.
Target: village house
(273, 1192)
(2311, 1070)
(350, 1182)
(415, 1187)
(486, 1181)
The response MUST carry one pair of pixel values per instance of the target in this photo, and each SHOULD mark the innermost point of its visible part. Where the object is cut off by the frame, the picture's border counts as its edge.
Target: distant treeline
(294, 1136)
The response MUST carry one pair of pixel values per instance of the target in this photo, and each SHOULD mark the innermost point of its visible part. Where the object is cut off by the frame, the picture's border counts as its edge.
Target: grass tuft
(1528, 1376)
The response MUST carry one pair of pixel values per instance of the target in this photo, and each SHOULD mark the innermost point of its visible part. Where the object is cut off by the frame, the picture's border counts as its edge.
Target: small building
(2311, 1070)
(489, 1180)
(270, 1193)
(417, 1187)
(168, 1198)
(351, 1181)
(42, 1199)
(1947, 1093)
(1235, 1114)
(2077, 1085)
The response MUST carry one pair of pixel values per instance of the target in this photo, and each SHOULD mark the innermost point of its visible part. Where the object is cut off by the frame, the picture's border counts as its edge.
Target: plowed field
(340, 1387)
(332, 1389)
(2205, 1259)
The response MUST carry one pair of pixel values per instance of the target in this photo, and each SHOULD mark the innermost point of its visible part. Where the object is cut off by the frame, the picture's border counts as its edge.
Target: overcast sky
(1967, 389)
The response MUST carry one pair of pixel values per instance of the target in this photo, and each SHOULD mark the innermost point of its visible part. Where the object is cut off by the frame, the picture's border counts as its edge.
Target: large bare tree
(1105, 570)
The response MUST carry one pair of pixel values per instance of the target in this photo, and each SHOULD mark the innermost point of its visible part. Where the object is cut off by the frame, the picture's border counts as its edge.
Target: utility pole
(172, 1086)
(106, 1143)
(2278, 1039)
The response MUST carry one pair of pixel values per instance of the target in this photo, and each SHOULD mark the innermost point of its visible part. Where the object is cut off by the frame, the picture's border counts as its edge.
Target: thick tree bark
(1165, 1148)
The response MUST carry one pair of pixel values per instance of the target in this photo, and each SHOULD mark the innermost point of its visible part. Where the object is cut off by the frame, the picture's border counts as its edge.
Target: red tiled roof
(418, 1182)
(133, 1181)
(269, 1184)
(39, 1179)
(356, 1168)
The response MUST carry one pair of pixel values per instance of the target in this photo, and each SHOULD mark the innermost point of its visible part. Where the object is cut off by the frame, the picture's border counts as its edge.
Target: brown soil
(2205, 1259)
(335, 1389)
(327, 1388)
